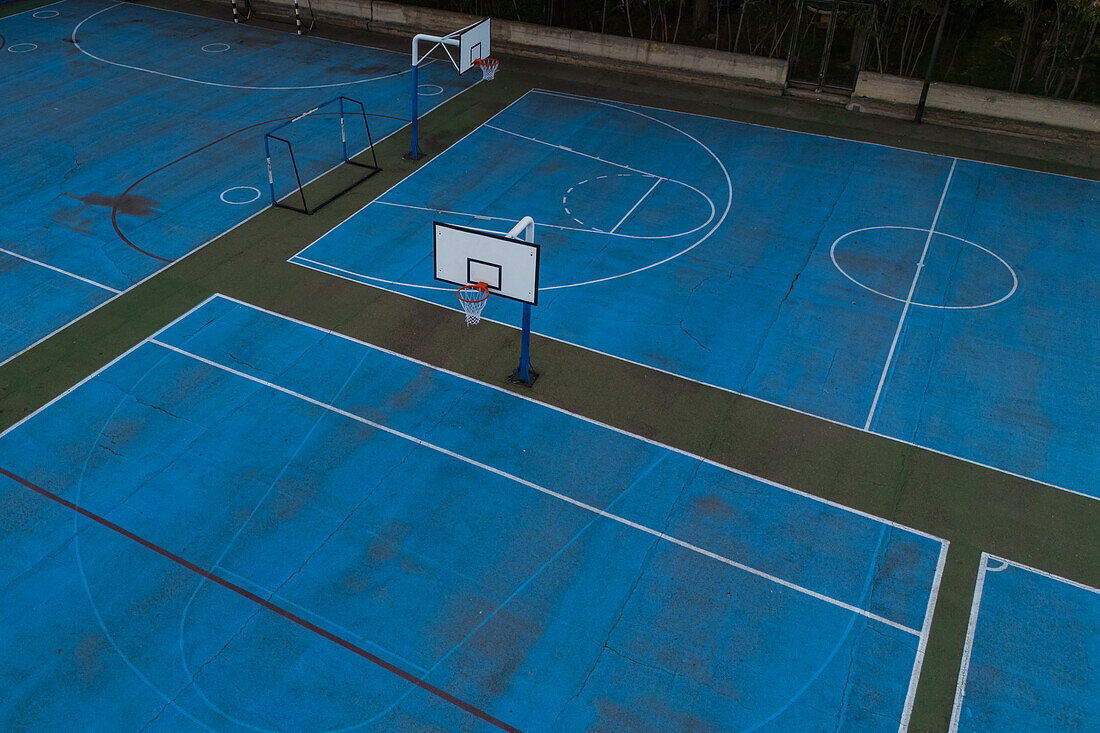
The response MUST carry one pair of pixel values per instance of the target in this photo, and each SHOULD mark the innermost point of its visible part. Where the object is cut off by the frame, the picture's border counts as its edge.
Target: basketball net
(473, 299)
(488, 68)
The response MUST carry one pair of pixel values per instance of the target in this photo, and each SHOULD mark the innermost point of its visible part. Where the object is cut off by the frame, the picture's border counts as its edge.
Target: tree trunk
(1084, 57)
(699, 11)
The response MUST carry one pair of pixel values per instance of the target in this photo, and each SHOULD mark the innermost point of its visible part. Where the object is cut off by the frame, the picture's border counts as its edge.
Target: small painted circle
(22, 47)
(216, 47)
(228, 198)
(43, 14)
(429, 90)
(968, 306)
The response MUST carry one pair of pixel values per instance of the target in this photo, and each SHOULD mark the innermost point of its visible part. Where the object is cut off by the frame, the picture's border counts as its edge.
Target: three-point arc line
(290, 616)
(119, 199)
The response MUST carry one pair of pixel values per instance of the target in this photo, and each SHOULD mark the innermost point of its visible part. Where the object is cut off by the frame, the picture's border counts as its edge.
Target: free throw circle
(230, 196)
(215, 47)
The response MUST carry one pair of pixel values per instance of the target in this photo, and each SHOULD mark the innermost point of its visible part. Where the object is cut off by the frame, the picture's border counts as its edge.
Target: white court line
(968, 646)
(922, 645)
(184, 256)
(571, 150)
(635, 206)
(909, 299)
(790, 131)
(398, 183)
(560, 410)
(347, 274)
(512, 220)
(359, 278)
(58, 269)
(515, 395)
(549, 492)
(975, 609)
(214, 83)
(651, 265)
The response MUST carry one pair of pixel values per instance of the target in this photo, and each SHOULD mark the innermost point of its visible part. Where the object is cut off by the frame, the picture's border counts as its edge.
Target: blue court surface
(1032, 655)
(134, 135)
(941, 302)
(248, 522)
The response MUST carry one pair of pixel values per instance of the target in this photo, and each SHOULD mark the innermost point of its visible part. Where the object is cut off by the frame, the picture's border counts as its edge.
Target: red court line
(2, 40)
(408, 677)
(114, 207)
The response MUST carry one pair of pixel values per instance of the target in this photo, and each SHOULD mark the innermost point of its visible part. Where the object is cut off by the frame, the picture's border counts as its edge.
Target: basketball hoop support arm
(414, 150)
(524, 373)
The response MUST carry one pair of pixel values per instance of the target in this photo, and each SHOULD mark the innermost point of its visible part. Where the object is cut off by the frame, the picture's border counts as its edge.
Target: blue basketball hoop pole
(414, 149)
(524, 374)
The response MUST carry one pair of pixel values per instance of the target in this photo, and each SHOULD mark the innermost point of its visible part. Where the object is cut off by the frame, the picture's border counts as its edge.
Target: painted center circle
(956, 274)
(240, 195)
(216, 47)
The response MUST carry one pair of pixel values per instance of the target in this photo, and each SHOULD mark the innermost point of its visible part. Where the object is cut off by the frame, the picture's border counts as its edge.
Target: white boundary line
(922, 645)
(513, 220)
(568, 149)
(700, 115)
(562, 411)
(102, 369)
(975, 609)
(968, 646)
(438, 155)
(501, 390)
(1037, 571)
(184, 256)
(909, 299)
(933, 593)
(58, 269)
(89, 54)
(900, 441)
(532, 485)
(354, 277)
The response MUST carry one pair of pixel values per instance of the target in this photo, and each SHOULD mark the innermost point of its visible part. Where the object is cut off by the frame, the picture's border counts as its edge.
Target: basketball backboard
(510, 267)
(473, 45)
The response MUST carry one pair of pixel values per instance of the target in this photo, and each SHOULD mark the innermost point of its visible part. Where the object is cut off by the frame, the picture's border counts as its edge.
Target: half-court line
(909, 298)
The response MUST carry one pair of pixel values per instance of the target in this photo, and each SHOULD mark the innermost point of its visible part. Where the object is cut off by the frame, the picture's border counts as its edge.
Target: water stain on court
(88, 654)
(125, 205)
(357, 71)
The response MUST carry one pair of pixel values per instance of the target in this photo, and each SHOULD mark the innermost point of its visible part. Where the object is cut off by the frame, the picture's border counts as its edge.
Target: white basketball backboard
(473, 45)
(510, 267)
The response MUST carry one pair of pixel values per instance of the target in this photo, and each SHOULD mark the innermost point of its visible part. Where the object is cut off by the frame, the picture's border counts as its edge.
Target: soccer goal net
(303, 23)
(332, 137)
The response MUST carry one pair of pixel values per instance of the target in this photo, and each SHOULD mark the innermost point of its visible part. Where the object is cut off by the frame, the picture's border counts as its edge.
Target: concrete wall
(957, 104)
(666, 60)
